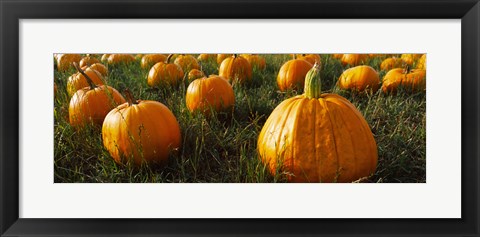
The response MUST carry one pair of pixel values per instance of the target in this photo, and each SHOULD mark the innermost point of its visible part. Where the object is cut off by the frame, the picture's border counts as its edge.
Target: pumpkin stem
(235, 55)
(169, 57)
(130, 98)
(89, 80)
(313, 83)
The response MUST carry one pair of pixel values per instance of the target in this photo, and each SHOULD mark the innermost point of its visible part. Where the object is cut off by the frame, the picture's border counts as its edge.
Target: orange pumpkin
(97, 67)
(165, 73)
(195, 74)
(104, 58)
(78, 81)
(187, 62)
(412, 80)
(311, 58)
(149, 60)
(359, 78)
(317, 137)
(409, 59)
(140, 131)
(390, 63)
(354, 59)
(139, 56)
(292, 74)
(120, 59)
(236, 69)
(91, 104)
(87, 61)
(422, 62)
(256, 61)
(337, 56)
(221, 57)
(207, 57)
(65, 61)
(209, 93)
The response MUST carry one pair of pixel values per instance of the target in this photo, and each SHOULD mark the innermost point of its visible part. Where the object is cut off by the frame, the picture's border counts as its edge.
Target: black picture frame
(12, 11)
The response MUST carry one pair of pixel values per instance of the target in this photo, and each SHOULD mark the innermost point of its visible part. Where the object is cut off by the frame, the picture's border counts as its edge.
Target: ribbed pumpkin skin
(195, 74)
(65, 61)
(255, 61)
(87, 61)
(221, 57)
(413, 81)
(187, 62)
(236, 69)
(163, 73)
(92, 105)
(78, 81)
(422, 62)
(391, 63)
(354, 59)
(150, 59)
(97, 67)
(104, 58)
(318, 140)
(292, 74)
(205, 94)
(359, 78)
(120, 58)
(410, 58)
(146, 131)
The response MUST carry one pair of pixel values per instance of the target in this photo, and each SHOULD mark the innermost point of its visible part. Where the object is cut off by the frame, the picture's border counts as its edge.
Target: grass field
(223, 148)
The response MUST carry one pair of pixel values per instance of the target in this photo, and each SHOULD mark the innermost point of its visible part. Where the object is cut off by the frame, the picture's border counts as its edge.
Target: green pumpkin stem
(129, 97)
(313, 83)
(169, 57)
(89, 80)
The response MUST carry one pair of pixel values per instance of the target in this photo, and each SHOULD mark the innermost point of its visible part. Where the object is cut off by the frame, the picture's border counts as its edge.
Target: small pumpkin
(354, 59)
(209, 93)
(409, 59)
(87, 61)
(187, 62)
(311, 58)
(195, 74)
(140, 131)
(337, 56)
(165, 73)
(91, 104)
(422, 62)
(359, 78)
(120, 59)
(317, 137)
(292, 74)
(236, 69)
(221, 57)
(97, 67)
(149, 60)
(256, 61)
(207, 57)
(65, 61)
(104, 58)
(78, 81)
(412, 80)
(390, 63)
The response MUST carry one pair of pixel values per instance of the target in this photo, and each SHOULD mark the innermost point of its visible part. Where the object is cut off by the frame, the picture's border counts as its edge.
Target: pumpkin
(187, 62)
(207, 57)
(139, 56)
(412, 80)
(209, 93)
(409, 59)
(317, 137)
(359, 78)
(91, 104)
(195, 74)
(149, 60)
(390, 63)
(354, 59)
(236, 69)
(337, 56)
(104, 58)
(256, 61)
(78, 81)
(65, 61)
(311, 58)
(292, 74)
(422, 62)
(87, 61)
(97, 67)
(140, 131)
(120, 59)
(165, 73)
(221, 57)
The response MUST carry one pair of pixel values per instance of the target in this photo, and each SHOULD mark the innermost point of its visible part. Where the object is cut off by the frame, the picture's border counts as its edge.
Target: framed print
(239, 118)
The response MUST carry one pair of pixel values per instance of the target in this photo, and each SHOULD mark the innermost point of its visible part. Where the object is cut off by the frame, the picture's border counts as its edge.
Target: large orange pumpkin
(317, 137)
(91, 104)
(236, 69)
(78, 81)
(292, 74)
(354, 59)
(412, 80)
(120, 59)
(149, 60)
(187, 62)
(140, 131)
(359, 78)
(221, 57)
(256, 61)
(65, 61)
(165, 73)
(209, 93)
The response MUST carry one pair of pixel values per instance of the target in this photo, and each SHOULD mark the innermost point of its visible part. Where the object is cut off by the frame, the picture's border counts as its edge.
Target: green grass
(223, 148)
